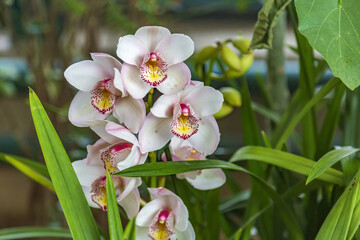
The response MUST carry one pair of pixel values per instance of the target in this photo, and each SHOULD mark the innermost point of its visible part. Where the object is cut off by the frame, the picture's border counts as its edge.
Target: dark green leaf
(114, 221)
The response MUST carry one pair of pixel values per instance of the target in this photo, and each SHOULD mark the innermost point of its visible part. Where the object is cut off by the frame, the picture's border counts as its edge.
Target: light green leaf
(130, 230)
(32, 169)
(285, 160)
(67, 187)
(114, 221)
(168, 168)
(333, 29)
(328, 160)
(33, 232)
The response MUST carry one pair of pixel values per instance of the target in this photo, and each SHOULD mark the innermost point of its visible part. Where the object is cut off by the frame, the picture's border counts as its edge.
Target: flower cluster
(152, 58)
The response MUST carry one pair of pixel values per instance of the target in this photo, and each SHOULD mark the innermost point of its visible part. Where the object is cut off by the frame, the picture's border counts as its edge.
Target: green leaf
(169, 168)
(67, 187)
(286, 160)
(328, 160)
(267, 18)
(114, 221)
(333, 30)
(130, 233)
(33, 232)
(32, 169)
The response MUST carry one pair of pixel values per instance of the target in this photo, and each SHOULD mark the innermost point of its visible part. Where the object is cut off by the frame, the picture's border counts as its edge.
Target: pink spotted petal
(164, 105)
(136, 87)
(107, 63)
(152, 35)
(178, 76)
(207, 138)
(81, 112)
(205, 101)
(84, 75)
(154, 133)
(131, 50)
(175, 48)
(208, 179)
(131, 112)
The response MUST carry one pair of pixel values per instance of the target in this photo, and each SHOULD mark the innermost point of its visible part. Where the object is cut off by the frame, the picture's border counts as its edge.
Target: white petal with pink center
(185, 116)
(165, 217)
(156, 57)
(101, 89)
(92, 178)
(123, 149)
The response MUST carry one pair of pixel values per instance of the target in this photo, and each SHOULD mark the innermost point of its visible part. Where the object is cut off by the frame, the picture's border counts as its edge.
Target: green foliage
(33, 232)
(75, 208)
(333, 30)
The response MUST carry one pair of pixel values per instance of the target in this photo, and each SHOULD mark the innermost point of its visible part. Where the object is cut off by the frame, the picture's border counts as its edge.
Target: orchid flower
(153, 57)
(92, 177)
(202, 179)
(165, 217)
(101, 92)
(118, 148)
(186, 115)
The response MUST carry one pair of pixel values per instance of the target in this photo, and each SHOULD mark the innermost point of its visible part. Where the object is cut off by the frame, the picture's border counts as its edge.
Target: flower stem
(169, 159)
(149, 101)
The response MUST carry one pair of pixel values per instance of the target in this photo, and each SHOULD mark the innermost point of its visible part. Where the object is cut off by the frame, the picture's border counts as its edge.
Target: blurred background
(39, 39)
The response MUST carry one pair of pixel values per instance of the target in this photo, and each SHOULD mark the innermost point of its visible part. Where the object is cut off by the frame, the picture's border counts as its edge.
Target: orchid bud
(242, 44)
(225, 110)
(231, 96)
(205, 54)
(246, 62)
(230, 58)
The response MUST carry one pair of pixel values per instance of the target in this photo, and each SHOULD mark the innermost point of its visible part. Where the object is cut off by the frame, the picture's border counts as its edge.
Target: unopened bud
(246, 62)
(242, 44)
(205, 54)
(225, 110)
(231, 96)
(230, 58)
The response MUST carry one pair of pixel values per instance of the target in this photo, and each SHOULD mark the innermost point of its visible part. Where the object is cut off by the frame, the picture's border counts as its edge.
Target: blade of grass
(67, 187)
(114, 221)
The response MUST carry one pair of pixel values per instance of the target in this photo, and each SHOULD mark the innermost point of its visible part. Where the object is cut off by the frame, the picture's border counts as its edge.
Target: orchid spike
(92, 177)
(202, 179)
(101, 92)
(165, 217)
(186, 115)
(153, 58)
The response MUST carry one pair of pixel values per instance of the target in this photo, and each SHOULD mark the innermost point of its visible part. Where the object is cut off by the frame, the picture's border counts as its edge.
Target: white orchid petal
(154, 133)
(131, 112)
(163, 107)
(85, 74)
(207, 137)
(175, 48)
(99, 127)
(82, 113)
(132, 159)
(136, 87)
(121, 132)
(93, 156)
(87, 174)
(205, 101)
(208, 179)
(149, 211)
(87, 193)
(188, 234)
(107, 63)
(131, 203)
(178, 76)
(142, 233)
(118, 83)
(131, 50)
(152, 35)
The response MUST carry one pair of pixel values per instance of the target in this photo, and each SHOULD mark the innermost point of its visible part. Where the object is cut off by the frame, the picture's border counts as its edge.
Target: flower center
(160, 230)
(153, 70)
(102, 99)
(98, 190)
(184, 123)
(112, 155)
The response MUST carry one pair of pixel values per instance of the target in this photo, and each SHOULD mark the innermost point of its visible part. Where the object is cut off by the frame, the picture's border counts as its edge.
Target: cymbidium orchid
(165, 217)
(186, 115)
(92, 177)
(153, 57)
(202, 179)
(101, 93)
